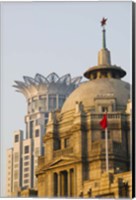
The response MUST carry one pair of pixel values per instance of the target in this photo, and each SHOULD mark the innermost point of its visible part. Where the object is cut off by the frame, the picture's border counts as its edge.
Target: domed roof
(88, 91)
(104, 83)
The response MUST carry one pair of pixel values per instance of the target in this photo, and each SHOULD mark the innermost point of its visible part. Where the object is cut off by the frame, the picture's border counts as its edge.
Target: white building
(43, 95)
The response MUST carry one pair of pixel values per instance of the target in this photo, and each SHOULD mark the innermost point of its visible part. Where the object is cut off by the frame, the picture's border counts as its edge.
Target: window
(66, 142)
(57, 144)
(16, 157)
(29, 107)
(36, 151)
(26, 157)
(16, 174)
(42, 102)
(37, 133)
(26, 181)
(31, 128)
(46, 115)
(104, 109)
(61, 100)
(26, 150)
(103, 135)
(15, 185)
(16, 166)
(26, 175)
(26, 169)
(52, 102)
(46, 121)
(26, 163)
(16, 138)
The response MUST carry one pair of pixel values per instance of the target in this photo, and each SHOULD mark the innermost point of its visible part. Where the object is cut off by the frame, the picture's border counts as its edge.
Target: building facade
(74, 163)
(43, 95)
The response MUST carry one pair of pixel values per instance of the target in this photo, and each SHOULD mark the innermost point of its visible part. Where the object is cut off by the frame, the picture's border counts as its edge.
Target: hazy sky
(61, 37)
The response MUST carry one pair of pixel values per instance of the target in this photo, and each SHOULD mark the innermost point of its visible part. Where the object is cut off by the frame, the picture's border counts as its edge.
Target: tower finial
(104, 69)
(103, 23)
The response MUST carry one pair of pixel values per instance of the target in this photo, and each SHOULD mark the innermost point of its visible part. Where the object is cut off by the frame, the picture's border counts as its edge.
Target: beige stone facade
(77, 166)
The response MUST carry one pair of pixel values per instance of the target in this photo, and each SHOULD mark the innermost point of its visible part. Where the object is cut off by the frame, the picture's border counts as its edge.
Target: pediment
(62, 161)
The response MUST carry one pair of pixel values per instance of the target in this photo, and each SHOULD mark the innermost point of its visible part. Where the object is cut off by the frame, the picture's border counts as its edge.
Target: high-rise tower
(43, 95)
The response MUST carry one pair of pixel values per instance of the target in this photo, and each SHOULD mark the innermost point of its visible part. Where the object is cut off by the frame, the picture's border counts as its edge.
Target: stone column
(69, 183)
(98, 74)
(72, 183)
(62, 184)
(59, 184)
(55, 188)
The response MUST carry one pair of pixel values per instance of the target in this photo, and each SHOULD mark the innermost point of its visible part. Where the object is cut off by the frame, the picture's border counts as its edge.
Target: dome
(104, 88)
(88, 91)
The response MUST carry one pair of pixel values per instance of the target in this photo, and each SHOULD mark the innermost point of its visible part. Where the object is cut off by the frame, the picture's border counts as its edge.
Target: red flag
(103, 122)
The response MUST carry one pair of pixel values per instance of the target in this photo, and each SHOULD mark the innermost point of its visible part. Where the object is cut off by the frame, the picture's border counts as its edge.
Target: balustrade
(115, 115)
(61, 152)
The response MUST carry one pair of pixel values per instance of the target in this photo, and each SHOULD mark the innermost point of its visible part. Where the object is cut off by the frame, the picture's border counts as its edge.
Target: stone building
(43, 94)
(74, 164)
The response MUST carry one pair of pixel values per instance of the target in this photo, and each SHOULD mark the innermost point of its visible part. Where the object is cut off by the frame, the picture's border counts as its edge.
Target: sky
(61, 37)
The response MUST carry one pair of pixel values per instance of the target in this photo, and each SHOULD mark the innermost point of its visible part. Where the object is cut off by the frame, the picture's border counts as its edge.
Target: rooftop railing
(62, 152)
(115, 115)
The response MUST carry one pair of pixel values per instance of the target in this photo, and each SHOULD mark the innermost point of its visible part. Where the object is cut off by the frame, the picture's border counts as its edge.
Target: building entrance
(64, 183)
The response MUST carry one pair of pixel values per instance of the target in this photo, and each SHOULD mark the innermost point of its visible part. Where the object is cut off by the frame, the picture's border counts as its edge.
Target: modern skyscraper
(43, 95)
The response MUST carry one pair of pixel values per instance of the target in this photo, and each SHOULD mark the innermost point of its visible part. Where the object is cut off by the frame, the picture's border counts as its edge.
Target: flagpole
(106, 149)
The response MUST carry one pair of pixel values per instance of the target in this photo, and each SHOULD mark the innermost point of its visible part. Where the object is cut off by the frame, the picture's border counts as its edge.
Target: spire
(104, 39)
(104, 69)
(104, 53)
(103, 23)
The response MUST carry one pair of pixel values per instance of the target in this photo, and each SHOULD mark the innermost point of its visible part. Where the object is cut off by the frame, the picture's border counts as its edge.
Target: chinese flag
(103, 122)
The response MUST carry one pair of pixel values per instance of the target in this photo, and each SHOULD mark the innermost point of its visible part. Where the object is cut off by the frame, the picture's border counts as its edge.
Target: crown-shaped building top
(46, 93)
(104, 69)
(52, 83)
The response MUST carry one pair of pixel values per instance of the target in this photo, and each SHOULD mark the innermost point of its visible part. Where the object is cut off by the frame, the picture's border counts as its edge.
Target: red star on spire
(103, 22)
